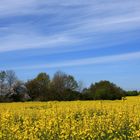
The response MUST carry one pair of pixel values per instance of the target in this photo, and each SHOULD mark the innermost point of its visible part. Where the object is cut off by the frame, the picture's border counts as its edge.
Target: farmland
(75, 120)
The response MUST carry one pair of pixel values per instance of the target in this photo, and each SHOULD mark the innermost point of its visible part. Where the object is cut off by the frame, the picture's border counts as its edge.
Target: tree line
(62, 87)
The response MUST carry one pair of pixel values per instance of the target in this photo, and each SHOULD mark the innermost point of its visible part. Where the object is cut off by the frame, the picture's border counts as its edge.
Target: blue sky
(91, 39)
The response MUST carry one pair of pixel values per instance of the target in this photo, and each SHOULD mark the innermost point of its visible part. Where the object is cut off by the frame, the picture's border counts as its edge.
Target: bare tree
(80, 86)
(2, 80)
(18, 92)
(62, 81)
(11, 78)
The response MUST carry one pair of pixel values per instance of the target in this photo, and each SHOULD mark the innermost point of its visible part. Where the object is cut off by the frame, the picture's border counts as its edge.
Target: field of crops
(77, 120)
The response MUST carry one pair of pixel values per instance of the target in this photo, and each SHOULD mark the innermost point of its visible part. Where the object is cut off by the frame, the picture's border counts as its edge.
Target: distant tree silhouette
(104, 90)
(132, 93)
(38, 88)
(62, 87)
(11, 77)
(11, 89)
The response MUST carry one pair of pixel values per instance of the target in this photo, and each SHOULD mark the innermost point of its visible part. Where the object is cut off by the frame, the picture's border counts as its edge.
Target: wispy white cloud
(21, 42)
(71, 22)
(18, 7)
(86, 61)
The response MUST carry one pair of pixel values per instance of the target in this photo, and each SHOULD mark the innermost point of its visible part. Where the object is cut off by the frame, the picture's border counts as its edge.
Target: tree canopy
(62, 87)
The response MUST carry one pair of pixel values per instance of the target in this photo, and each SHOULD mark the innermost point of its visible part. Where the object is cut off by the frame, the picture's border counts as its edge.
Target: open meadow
(76, 120)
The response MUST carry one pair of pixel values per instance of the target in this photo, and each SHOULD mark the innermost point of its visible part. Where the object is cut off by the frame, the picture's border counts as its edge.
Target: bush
(132, 93)
(105, 90)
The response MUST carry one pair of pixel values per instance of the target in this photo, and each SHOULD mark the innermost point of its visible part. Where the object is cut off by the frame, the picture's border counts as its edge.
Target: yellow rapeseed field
(76, 120)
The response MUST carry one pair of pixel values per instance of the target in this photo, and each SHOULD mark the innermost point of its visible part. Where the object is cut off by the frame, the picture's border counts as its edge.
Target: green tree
(38, 88)
(105, 90)
(132, 93)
